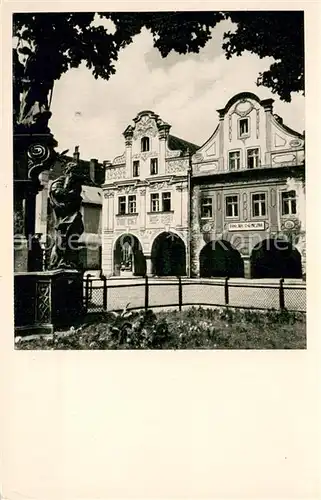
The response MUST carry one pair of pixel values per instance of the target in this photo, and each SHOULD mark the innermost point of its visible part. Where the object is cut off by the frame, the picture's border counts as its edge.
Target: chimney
(76, 154)
(92, 169)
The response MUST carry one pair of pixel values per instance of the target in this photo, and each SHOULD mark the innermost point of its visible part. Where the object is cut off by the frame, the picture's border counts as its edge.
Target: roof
(174, 143)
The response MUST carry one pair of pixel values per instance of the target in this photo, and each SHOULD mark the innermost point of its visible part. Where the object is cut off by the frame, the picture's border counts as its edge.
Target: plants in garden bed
(194, 328)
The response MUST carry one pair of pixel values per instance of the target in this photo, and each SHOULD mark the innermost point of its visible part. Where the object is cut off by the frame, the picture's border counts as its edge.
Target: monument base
(20, 255)
(47, 300)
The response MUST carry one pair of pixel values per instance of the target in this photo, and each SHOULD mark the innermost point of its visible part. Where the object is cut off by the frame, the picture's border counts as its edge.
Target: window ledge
(126, 215)
(161, 212)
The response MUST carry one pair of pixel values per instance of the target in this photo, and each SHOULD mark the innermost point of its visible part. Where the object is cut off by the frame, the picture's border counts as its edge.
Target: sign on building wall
(246, 226)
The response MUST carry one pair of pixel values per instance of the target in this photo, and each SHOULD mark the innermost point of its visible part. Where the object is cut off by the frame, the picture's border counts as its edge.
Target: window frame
(151, 202)
(211, 204)
(229, 159)
(170, 201)
(258, 157)
(136, 164)
(260, 216)
(237, 204)
(151, 164)
(248, 133)
(119, 204)
(289, 203)
(145, 140)
(129, 202)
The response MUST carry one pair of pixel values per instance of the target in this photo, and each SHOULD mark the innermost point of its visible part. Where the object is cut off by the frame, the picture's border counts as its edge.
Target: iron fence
(102, 294)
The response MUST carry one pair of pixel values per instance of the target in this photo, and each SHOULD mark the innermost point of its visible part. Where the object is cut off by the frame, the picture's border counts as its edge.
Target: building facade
(146, 202)
(248, 195)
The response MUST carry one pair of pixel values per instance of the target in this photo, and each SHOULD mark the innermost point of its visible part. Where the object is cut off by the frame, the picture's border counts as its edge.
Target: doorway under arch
(220, 258)
(168, 255)
(274, 258)
(129, 258)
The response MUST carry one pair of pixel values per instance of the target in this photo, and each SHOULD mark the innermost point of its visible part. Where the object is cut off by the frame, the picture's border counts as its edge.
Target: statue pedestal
(47, 300)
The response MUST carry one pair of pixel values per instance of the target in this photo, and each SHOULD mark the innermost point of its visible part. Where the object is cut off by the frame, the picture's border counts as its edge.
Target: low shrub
(194, 328)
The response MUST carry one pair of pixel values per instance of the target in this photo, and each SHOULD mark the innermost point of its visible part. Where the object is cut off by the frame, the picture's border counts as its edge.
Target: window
(153, 166)
(136, 168)
(259, 205)
(145, 144)
(122, 205)
(232, 206)
(132, 204)
(166, 198)
(244, 127)
(253, 158)
(289, 203)
(234, 160)
(154, 202)
(206, 208)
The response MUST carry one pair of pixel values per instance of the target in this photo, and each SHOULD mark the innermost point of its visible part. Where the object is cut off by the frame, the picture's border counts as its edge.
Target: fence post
(180, 293)
(104, 292)
(226, 291)
(281, 294)
(146, 293)
(87, 291)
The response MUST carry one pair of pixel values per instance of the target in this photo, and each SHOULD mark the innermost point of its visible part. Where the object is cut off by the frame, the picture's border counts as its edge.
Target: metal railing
(102, 294)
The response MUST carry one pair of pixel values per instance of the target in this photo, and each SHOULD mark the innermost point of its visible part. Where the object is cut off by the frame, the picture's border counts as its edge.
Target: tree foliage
(52, 43)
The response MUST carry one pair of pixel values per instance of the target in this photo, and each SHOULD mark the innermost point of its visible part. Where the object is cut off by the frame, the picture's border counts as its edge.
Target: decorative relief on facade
(176, 166)
(142, 191)
(109, 194)
(257, 123)
(125, 189)
(160, 219)
(145, 126)
(245, 215)
(243, 107)
(230, 127)
(198, 157)
(208, 227)
(144, 155)
(218, 201)
(295, 143)
(284, 158)
(120, 160)
(115, 173)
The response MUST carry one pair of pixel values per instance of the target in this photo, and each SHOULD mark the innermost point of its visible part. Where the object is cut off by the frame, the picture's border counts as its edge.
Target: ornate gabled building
(145, 206)
(248, 195)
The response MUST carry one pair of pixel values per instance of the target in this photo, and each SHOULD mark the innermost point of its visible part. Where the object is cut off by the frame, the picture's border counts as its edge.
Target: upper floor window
(145, 144)
(127, 205)
(207, 208)
(153, 166)
(154, 202)
(232, 206)
(166, 200)
(289, 203)
(244, 127)
(253, 160)
(259, 204)
(234, 160)
(136, 168)
(132, 204)
(122, 205)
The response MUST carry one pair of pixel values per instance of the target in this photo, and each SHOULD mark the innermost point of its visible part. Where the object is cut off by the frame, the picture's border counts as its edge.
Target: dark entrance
(275, 259)
(168, 255)
(129, 256)
(220, 258)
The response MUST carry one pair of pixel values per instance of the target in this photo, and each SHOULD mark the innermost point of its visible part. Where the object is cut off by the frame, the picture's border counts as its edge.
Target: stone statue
(65, 198)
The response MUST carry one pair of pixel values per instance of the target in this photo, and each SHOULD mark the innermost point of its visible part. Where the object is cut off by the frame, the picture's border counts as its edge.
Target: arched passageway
(129, 258)
(220, 258)
(168, 255)
(274, 258)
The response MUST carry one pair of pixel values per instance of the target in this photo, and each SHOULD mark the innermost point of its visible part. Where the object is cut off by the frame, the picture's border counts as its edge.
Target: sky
(185, 90)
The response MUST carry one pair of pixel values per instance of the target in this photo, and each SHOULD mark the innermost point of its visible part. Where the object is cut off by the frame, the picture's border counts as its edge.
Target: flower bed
(194, 328)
